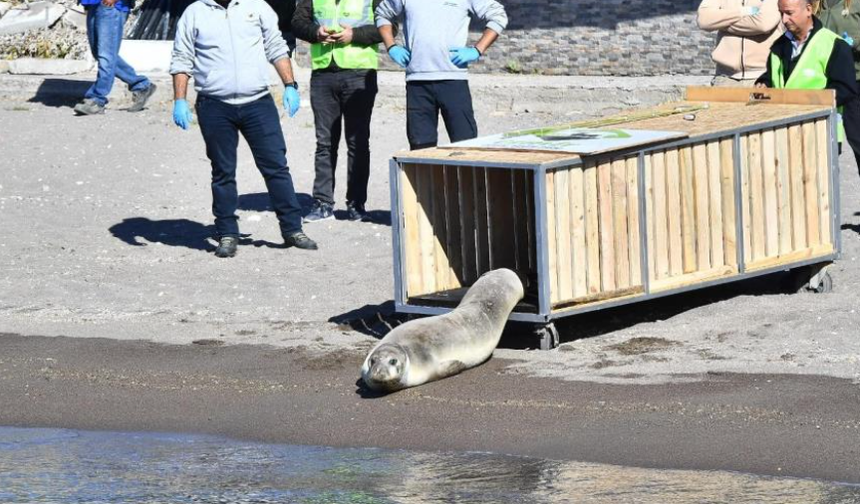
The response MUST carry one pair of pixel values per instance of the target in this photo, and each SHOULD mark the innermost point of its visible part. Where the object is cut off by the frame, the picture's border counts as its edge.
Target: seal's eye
(392, 362)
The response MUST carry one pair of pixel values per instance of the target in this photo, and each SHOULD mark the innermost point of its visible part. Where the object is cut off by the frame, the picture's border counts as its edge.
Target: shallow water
(64, 466)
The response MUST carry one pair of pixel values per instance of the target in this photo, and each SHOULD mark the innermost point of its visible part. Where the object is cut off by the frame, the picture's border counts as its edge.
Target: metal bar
(541, 244)
(643, 226)
(440, 310)
(477, 164)
(739, 209)
(396, 232)
(835, 197)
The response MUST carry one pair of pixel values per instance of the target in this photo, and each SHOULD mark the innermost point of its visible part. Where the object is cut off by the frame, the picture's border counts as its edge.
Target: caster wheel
(547, 336)
(825, 284)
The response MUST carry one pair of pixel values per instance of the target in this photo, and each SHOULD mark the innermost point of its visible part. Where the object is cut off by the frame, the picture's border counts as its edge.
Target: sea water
(66, 466)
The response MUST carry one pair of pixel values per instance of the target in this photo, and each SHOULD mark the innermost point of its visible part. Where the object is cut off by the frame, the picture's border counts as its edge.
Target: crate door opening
(462, 221)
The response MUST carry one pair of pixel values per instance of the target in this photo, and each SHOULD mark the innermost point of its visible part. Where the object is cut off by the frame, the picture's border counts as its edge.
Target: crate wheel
(547, 336)
(823, 285)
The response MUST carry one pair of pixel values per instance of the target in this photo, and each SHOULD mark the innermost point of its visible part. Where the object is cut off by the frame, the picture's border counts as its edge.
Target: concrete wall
(600, 37)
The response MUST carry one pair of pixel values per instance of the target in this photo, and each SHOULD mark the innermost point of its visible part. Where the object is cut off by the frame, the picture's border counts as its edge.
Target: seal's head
(385, 368)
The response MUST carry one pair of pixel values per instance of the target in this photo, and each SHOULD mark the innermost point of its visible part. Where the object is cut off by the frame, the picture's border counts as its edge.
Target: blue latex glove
(291, 100)
(848, 38)
(462, 56)
(400, 55)
(751, 10)
(182, 114)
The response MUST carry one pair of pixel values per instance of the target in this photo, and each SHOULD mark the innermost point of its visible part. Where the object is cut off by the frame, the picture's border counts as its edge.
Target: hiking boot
(300, 240)
(139, 98)
(320, 211)
(356, 212)
(89, 107)
(227, 246)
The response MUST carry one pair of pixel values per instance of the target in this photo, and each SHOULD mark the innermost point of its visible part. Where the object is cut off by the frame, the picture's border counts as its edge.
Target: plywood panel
(703, 215)
(727, 186)
(810, 184)
(592, 228)
(823, 150)
(771, 203)
(715, 204)
(607, 238)
(783, 190)
(633, 232)
(673, 198)
(619, 224)
(578, 232)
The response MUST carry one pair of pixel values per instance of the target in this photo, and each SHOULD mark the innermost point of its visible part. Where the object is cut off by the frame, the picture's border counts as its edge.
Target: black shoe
(300, 240)
(226, 246)
(139, 98)
(320, 211)
(356, 212)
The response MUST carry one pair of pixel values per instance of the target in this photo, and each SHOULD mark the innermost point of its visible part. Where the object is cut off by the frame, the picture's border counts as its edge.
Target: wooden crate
(752, 190)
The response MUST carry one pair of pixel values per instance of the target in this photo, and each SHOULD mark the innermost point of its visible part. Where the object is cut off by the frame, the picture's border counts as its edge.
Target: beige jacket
(743, 40)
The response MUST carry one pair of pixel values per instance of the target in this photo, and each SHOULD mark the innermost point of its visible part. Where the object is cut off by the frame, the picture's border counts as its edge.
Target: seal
(432, 348)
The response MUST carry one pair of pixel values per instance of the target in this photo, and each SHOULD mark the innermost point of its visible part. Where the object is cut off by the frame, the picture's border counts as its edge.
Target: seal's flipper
(449, 368)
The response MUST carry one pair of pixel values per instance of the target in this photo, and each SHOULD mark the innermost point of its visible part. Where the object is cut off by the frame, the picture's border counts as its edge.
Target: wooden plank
(824, 97)
(793, 257)
(439, 220)
(688, 210)
(482, 239)
(452, 223)
(810, 184)
(673, 198)
(690, 279)
(411, 230)
(659, 223)
(798, 207)
(501, 218)
(771, 203)
(467, 218)
(607, 238)
(531, 216)
(594, 279)
(783, 190)
(562, 237)
(757, 231)
(619, 224)
(633, 232)
(727, 186)
(552, 225)
(745, 198)
(649, 214)
(715, 204)
(703, 214)
(578, 232)
(427, 238)
(520, 212)
(822, 139)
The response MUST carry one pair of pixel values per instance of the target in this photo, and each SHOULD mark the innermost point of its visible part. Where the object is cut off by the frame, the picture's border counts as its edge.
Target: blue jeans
(260, 125)
(104, 31)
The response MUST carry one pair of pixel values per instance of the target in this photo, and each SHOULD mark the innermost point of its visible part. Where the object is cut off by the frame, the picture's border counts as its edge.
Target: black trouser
(259, 123)
(851, 122)
(342, 96)
(424, 101)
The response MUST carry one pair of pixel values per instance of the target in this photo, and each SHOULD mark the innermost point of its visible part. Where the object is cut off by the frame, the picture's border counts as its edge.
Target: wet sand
(783, 425)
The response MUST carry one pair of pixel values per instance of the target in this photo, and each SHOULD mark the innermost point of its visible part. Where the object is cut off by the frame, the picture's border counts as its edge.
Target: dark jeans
(104, 32)
(260, 125)
(424, 101)
(343, 97)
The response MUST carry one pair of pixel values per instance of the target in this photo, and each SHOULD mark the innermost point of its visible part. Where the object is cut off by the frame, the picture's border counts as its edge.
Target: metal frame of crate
(589, 233)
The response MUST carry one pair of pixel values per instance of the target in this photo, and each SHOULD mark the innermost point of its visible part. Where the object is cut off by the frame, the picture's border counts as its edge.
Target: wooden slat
(452, 212)
(529, 179)
(673, 198)
(715, 198)
(521, 233)
(703, 214)
(427, 238)
(810, 185)
(482, 239)
(688, 210)
(578, 232)
(649, 214)
(607, 238)
(633, 232)
(411, 227)
(501, 218)
(552, 226)
(592, 228)
(824, 97)
(442, 264)
(771, 203)
(822, 139)
(689, 279)
(619, 224)
(727, 183)
(562, 237)
(793, 257)
(798, 206)
(757, 228)
(467, 219)
(745, 198)
(659, 223)
(783, 190)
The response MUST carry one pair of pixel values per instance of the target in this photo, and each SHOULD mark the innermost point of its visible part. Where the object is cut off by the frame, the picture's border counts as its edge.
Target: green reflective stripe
(329, 13)
(810, 70)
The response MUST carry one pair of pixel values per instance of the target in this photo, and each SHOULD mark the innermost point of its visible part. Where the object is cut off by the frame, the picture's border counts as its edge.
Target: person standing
(436, 59)
(745, 31)
(285, 9)
(105, 22)
(344, 60)
(227, 45)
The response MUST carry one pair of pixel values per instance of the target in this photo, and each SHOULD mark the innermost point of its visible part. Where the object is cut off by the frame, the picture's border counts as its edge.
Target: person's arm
(182, 57)
(840, 73)
(715, 15)
(387, 14)
(285, 71)
(180, 86)
(764, 22)
(304, 26)
(495, 17)
(368, 34)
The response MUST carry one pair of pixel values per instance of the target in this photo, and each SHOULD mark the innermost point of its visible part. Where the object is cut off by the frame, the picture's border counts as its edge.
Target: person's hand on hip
(400, 55)
(292, 100)
(462, 56)
(182, 114)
